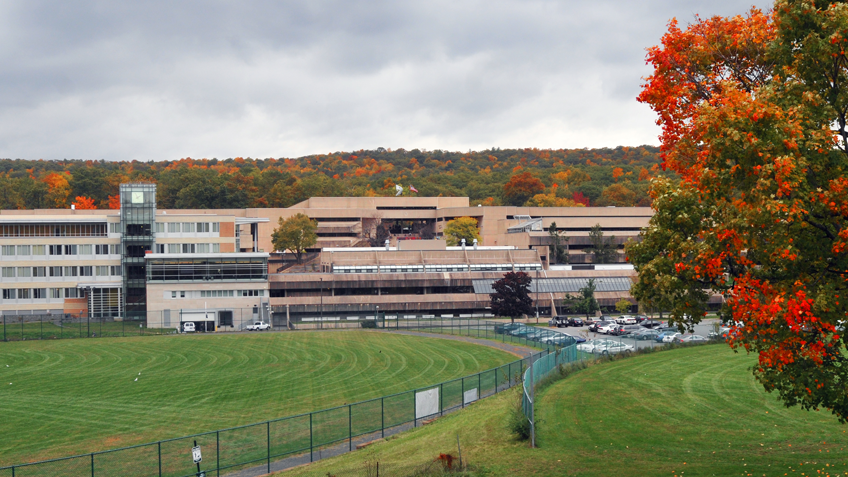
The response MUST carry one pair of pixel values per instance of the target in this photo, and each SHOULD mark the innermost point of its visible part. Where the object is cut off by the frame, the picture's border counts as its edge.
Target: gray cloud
(164, 80)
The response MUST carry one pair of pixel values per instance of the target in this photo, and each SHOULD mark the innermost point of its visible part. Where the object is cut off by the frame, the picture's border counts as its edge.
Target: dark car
(575, 321)
(641, 318)
(651, 323)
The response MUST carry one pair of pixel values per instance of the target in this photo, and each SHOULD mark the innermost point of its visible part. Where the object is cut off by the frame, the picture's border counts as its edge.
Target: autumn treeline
(564, 177)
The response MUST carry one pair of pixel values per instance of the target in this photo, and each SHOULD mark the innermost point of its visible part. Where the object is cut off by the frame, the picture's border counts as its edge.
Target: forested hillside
(564, 177)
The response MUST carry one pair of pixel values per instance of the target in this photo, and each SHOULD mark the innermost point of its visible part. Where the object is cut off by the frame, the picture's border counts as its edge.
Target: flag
(399, 190)
(412, 188)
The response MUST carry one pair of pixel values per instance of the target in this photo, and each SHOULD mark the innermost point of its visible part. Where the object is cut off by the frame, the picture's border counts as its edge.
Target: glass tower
(138, 216)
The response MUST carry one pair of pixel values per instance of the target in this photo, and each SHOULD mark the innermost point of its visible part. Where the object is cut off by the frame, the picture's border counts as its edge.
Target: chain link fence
(70, 325)
(278, 444)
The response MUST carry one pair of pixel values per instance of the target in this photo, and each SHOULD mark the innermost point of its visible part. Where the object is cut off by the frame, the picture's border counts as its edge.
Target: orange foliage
(84, 203)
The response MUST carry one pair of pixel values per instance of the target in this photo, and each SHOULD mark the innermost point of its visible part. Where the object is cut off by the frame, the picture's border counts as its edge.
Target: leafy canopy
(584, 302)
(295, 234)
(511, 296)
(462, 228)
(753, 114)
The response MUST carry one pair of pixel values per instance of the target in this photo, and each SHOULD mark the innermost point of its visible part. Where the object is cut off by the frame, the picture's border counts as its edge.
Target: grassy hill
(693, 411)
(73, 396)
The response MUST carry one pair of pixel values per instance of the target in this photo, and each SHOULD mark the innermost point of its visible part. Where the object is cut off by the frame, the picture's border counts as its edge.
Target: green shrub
(368, 323)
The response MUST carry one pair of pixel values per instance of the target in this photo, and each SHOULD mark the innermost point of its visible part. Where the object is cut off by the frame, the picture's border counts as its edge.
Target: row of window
(73, 271)
(187, 227)
(188, 248)
(217, 293)
(41, 293)
(84, 249)
(53, 230)
(485, 267)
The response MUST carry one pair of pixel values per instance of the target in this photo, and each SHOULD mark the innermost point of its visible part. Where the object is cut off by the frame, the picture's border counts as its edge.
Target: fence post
(479, 385)
(441, 400)
(414, 420)
(349, 427)
(462, 393)
(382, 418)
(159, 445)
(217, 453)
(310, 437)
(92, 464)
(496, 380)
(268, 440)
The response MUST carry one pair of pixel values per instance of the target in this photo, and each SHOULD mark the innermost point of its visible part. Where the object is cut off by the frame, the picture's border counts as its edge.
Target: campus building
(217, 268)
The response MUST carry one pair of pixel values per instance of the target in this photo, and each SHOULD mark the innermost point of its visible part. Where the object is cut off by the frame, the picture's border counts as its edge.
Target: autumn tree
(462, 228)
(511, 296)
(753, 112)
(522, 187)
(295, 234)
(83, 203)
(622, 305)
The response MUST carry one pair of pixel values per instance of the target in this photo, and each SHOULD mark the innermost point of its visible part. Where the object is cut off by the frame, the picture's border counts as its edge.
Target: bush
(518, 423)
(368, 323)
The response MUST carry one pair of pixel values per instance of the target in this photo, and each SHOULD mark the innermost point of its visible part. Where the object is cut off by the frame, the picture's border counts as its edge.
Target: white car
(601, 346)
(670, 338)
(607, 329)
(626, 320)
(258, 326)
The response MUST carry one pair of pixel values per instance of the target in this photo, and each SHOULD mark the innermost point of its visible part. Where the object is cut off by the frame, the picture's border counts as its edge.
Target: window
(216, 248)
(70, 250)
(216, 227)
(71, 293)
(173, 248)
(173, 227)
(115, 249)
(8, 272)
(55, 271)
(160, 248)
(203, 248)
(160, 227)
(173, 294)
(23, 250)
(70, 271)
(10, 294)
(56, 293)
(25, 272)
(188, 248)
(38, 250)
(116, 270)
(102, 270)
(85, 249)
(252, 292)
(182, 294)
(24, 294)
(55, 250)
(101, 249)
(188, 227)
(9, 250)
(85, 271)
(39, 271)
(203, 227)
(39, 293)
(114, 227)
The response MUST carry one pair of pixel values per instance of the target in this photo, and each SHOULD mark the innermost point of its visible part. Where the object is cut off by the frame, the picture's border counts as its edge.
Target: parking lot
(703, 329)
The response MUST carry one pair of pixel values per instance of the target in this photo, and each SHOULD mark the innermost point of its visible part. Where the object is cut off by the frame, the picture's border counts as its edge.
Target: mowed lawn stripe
(76, 396)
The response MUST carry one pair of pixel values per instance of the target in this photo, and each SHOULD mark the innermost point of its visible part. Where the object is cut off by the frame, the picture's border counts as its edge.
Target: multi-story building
(218, 268)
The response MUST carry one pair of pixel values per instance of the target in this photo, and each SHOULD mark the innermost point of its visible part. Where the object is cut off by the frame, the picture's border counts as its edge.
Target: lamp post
(321, 310)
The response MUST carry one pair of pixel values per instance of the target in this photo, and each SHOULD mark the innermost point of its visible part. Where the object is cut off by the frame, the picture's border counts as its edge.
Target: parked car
(663, 334)
(575, 321)
(722, 333)
(669, 338)
(594, 326)
(646, 334)
(626, 320)
(188, 327)
(651, 323)
(607, 328)
(641, 318)
(258, 326)
(622, 330)
(604, 346)
(559, 321)
(689, 339)
(506, 328)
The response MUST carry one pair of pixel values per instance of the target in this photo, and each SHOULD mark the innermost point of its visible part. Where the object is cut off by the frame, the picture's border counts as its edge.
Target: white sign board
(195, 454)
(469, 396)
(426, 403)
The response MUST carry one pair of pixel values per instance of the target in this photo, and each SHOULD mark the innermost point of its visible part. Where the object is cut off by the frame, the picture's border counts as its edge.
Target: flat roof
(207, 255)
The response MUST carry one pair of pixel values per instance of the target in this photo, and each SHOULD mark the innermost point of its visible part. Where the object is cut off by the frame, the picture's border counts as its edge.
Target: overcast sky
(165, 80)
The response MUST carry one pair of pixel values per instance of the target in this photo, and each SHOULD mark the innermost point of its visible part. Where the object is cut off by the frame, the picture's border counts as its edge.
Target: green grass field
(692, 411)
(49, 330)
(80, 395)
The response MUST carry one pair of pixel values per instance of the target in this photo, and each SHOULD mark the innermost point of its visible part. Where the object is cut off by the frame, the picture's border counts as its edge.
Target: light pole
(321, 310)
(377, 317)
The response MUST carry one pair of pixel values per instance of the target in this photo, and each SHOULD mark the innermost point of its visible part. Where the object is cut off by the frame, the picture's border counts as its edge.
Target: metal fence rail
(277, 444)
